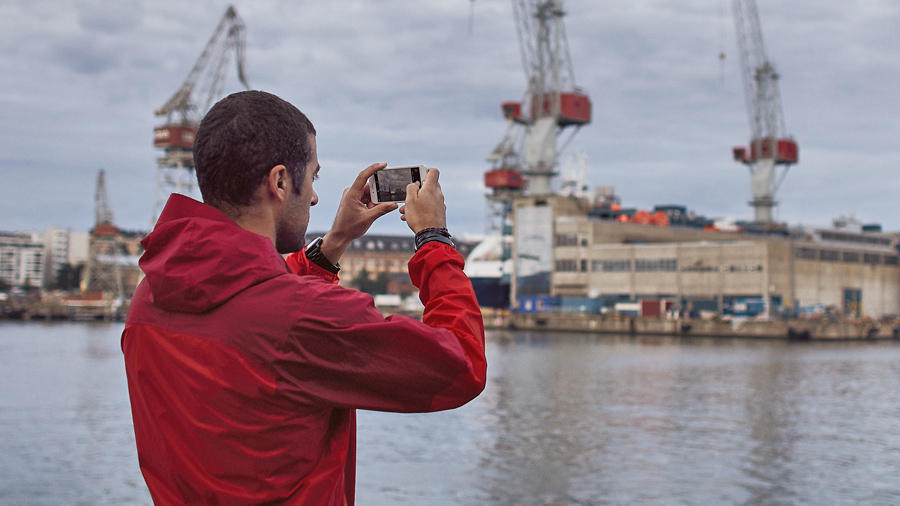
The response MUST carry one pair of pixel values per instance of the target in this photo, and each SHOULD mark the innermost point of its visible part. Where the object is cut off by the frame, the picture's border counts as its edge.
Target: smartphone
(389, 184)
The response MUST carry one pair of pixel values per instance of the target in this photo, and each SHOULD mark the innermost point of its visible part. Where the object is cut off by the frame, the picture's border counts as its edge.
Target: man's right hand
(424, 206)
(355, 215)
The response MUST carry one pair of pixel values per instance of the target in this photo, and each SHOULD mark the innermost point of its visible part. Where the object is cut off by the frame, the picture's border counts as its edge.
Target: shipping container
(657, 308)
(651, 308)
(628, 308)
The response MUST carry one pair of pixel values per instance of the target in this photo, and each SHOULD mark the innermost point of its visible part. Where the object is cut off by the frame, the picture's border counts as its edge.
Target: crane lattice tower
(770, 146)
(103, 272)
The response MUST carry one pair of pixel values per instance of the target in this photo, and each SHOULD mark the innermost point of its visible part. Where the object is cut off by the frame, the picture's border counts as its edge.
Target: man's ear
(277, 182)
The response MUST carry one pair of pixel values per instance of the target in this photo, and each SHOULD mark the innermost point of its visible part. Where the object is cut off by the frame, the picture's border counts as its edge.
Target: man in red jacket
(245, 369)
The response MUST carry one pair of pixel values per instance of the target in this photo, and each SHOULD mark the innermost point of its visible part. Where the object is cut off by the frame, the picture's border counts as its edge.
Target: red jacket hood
(197, 258)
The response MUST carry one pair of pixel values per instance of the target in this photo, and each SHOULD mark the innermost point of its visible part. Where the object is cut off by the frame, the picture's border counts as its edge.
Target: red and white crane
(526, 160)
(183, 113)
(770, 146)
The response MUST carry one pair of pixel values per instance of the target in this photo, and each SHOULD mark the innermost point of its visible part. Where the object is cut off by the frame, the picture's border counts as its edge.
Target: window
(872, 258)
(891, 260)
(829, 255)
(850, 257)
(566, 239)
(807, 254)
(856, 238)
(611, 265)
(656, 265)
(568, 265)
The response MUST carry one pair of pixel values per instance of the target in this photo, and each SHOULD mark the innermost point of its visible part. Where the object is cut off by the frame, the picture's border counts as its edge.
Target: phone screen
(390, 183)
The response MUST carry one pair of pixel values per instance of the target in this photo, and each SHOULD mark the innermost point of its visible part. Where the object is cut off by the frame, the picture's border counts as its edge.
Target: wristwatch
(433, 235)
(314, 255)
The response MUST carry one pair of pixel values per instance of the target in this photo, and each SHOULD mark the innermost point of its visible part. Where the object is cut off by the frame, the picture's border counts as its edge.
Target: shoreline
(863, 329)
(792, 330)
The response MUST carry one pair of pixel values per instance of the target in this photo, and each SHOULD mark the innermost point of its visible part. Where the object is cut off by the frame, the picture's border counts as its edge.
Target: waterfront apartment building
(21, 260)
(565, 253)
(63, 247)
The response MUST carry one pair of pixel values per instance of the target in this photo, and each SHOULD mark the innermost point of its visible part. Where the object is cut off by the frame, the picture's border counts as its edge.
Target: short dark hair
(239, 141)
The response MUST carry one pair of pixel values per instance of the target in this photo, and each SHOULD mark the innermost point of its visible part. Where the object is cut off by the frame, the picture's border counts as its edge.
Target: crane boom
(228, 35)
(759, 75)
(770, 145)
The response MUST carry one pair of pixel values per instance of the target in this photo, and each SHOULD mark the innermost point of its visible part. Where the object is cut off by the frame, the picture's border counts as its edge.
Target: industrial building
(563, 251)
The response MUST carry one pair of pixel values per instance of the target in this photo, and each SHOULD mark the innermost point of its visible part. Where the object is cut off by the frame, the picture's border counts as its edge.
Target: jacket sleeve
(300, 265)
(342, 352)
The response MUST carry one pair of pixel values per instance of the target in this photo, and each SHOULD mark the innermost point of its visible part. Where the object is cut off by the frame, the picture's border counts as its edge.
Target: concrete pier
(861, 329)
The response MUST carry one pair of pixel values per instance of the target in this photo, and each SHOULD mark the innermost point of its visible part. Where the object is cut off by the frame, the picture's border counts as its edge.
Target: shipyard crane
(103, 273)
(770, 146)
(526, 159)
(201, 88)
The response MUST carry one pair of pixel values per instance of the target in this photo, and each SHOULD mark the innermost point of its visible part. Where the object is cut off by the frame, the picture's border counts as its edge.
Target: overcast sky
(407, 81)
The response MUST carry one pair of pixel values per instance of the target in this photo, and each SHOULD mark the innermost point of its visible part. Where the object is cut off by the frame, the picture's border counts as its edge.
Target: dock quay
(788, 329)
(86, 307)
(86, 312)
(793, 329)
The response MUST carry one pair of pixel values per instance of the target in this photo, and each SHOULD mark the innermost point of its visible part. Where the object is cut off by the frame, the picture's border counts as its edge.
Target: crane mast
(525, 160)
(103, 273)
(770, 146)
(206, 81)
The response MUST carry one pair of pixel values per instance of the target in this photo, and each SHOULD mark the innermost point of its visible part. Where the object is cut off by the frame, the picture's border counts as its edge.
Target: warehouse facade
(844, 270)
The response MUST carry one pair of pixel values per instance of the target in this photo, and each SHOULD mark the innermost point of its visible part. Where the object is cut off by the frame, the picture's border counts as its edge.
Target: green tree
(69, 277)
(364, 282)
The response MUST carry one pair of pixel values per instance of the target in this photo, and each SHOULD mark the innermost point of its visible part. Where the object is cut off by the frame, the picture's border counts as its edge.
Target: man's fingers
(412, 191)
(363, 176)
(384, 208)
(431, 177)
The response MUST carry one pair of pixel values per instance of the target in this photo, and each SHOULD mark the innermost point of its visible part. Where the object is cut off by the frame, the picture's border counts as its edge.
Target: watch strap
(314, 254)
(433, 235)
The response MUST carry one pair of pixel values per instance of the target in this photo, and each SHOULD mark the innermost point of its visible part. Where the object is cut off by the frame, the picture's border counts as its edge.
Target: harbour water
(566, 419)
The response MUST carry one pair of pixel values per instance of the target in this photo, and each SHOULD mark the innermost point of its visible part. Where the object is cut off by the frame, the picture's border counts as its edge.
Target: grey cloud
(398, 80)
(109, 17)
(85, 56)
